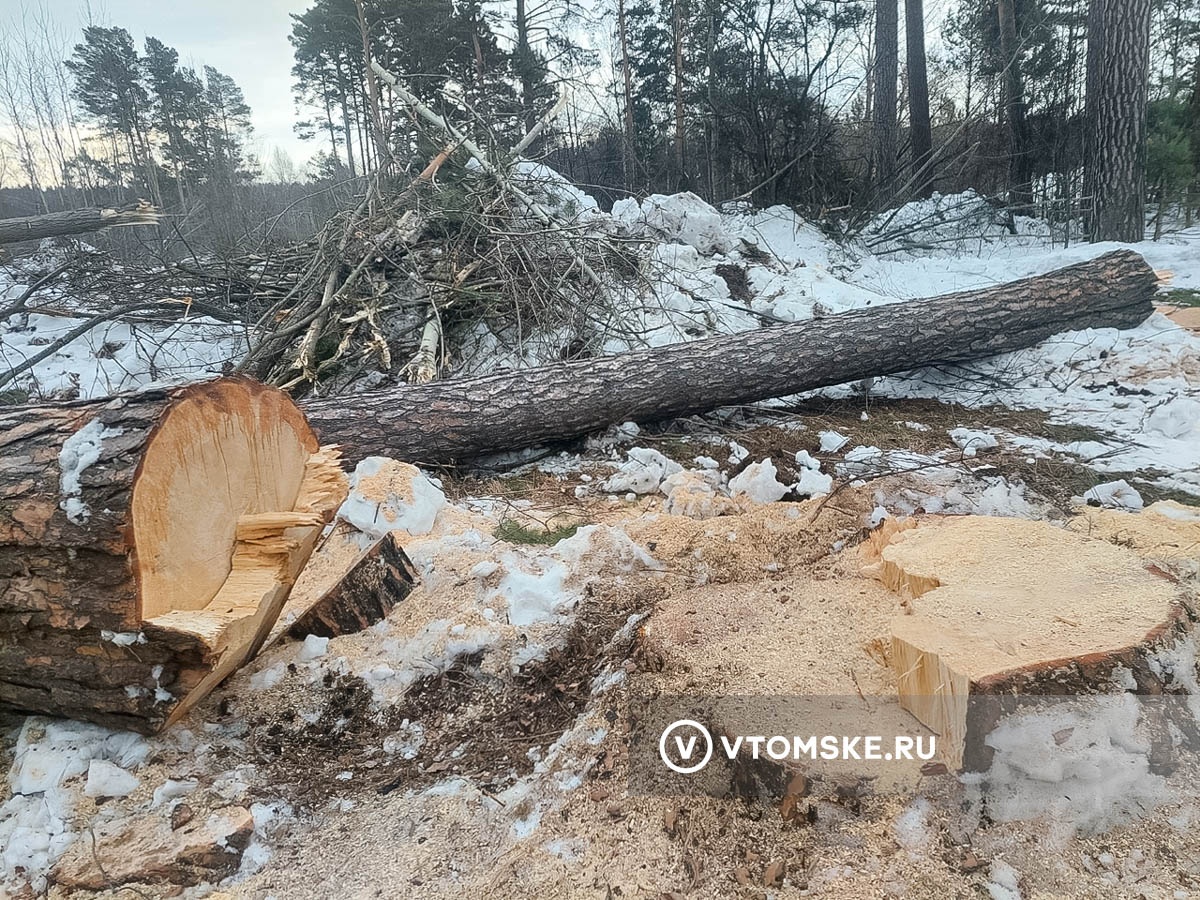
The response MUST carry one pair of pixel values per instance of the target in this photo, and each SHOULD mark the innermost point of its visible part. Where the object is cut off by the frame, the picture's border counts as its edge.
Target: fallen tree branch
(454, 420)
(18, 305)
(75, 221)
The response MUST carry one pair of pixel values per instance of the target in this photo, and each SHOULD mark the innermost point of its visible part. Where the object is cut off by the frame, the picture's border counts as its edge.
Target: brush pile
(480, 245)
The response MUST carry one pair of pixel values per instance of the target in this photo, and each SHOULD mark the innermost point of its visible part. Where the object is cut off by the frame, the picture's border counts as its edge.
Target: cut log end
(1007, 607)
(197, 509)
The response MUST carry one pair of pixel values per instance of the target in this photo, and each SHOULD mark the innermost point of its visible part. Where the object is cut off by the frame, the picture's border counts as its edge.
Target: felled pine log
(148, 543)
(1002, 612)
(453, 420)
(75, 221)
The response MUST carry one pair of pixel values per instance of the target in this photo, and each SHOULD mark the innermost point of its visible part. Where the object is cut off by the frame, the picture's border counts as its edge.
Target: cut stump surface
(1008, 607)
(148, 542)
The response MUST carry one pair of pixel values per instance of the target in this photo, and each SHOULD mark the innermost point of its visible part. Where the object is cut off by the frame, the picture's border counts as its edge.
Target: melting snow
(79, 451)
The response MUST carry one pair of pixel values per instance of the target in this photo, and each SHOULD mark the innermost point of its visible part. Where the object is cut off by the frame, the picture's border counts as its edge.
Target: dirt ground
(778, 614)
(526, 780)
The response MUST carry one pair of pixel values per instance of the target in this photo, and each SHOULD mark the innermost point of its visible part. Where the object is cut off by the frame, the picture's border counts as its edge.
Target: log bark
(376, 581)
(1001, 614)
(148, 542)
(74, 221)
(448, 421)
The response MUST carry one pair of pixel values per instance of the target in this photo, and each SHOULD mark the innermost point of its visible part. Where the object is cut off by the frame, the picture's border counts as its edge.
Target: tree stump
(1000, 609)
(148, 542)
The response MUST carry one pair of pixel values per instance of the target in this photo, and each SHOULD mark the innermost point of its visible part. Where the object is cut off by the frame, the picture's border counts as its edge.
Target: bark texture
(1019, 181)
(918, 98)
(884, 123)
(453, 420)
(57, 570)
(380, 579)
(74, 221)
(1118, 73)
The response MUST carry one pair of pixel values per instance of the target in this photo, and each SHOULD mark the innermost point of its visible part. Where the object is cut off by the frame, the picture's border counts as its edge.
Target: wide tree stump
(148, 543)
(1000, 609)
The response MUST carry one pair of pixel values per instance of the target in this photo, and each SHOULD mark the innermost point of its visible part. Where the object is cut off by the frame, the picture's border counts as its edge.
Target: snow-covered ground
(639, 513)
(113, 356)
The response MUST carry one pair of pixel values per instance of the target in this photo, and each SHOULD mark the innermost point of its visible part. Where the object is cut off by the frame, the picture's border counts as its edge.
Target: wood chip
(773, 876)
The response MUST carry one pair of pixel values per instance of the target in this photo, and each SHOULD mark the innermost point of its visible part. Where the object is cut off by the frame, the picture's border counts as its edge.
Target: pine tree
(884, 122)
(226, 125)
(1019, 181)
(1118, 72)
(918, 98)
(108, 85)
(174, 97)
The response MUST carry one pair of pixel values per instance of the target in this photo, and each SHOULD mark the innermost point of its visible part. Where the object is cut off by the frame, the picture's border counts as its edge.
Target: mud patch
(491, 731)
(464, 722)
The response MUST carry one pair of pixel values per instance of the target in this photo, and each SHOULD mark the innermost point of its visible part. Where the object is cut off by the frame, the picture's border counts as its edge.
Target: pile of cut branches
(478, 248)
(466, 247)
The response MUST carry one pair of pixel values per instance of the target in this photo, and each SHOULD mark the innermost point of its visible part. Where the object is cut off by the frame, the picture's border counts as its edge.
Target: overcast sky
(246, 39)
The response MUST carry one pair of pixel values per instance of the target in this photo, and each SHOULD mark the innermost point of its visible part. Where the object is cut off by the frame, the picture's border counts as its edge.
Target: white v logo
(685, 753)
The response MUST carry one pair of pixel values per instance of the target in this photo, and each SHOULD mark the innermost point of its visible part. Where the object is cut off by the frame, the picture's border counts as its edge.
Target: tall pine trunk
(677, 25)
(886, 139)
(1020, 189)
(1118, 74)
(524, 63)
(375, 116)
(629, 157)
(1193, 190)
(918, 98)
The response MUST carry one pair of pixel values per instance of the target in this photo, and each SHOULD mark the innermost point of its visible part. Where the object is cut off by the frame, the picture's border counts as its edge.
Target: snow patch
(80, 451)
(758, 482)
(410, 501)
(107, 780)
(971, 441)
(642, 473)
(1115, 495)
(832, 441)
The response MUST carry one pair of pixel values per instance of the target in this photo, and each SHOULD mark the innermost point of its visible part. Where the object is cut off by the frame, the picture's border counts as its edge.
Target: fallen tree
(75, 221)
(442, 422)
(148, 543)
